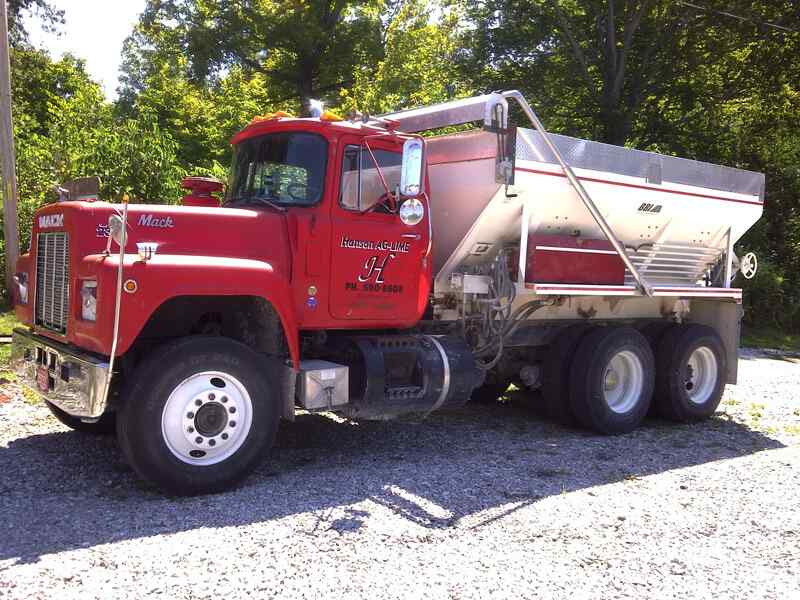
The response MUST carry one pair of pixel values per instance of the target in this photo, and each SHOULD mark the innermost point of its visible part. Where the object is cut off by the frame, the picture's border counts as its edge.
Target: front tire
(104, 425)
(199, 416)
(612, 375)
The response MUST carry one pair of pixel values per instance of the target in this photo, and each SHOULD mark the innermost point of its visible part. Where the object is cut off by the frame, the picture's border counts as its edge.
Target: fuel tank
(392, 375)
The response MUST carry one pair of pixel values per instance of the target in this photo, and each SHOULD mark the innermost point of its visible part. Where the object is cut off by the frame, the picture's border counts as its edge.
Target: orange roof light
(331, 116)
(269, 116)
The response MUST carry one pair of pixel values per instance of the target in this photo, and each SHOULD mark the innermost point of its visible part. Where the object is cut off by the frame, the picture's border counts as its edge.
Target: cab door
(380, 267)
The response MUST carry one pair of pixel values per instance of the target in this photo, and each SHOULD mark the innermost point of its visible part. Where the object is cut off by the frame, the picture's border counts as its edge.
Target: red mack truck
(361, 268)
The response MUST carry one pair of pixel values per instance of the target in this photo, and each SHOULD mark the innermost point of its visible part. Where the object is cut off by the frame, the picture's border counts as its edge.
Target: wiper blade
(262, 200)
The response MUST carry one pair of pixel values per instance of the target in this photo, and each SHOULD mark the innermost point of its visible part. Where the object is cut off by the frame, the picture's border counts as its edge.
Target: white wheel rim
(701, 375)
(206, 418)
(623, 382)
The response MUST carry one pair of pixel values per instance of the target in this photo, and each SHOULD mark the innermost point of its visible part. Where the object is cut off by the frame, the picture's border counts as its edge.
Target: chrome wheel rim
(206, 418)
(623, 382)
(701, 375)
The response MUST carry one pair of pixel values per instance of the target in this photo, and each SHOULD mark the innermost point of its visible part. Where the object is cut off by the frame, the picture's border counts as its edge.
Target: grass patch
(30, 396)
(792, 429)
(8, 320)
(5, 357)
(756, 411)
(768, 337)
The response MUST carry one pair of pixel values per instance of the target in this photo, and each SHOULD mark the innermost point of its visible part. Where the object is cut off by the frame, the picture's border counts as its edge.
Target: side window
(371, 187)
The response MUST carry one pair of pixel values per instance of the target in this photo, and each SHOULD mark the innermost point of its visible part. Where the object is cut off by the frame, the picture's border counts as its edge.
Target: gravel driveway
(480, 503)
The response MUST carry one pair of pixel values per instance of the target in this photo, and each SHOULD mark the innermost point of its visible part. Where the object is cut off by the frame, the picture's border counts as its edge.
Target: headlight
(89, 300)
(21, 279)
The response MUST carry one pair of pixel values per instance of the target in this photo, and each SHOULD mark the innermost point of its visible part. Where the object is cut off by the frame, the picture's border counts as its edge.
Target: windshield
(284, 168)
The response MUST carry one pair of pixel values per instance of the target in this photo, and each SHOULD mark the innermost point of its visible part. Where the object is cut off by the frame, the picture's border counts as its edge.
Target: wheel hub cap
(206, 418)
(701, 375)
(623, 381)
(612, 379)
(211, 419)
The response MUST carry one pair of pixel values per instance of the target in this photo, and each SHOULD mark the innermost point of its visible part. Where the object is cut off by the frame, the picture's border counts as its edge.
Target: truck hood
(258, 234)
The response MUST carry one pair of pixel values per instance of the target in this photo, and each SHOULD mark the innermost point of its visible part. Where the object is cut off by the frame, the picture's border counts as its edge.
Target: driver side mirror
(411, 169)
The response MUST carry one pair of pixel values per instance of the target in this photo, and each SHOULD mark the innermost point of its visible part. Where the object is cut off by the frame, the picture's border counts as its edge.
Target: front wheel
(199, 415)
(102, 426)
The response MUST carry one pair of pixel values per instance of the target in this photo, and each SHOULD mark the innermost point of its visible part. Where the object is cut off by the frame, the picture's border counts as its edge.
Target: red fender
(165, 277)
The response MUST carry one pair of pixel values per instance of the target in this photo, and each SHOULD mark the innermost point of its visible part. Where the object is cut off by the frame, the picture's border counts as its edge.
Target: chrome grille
(52, 280)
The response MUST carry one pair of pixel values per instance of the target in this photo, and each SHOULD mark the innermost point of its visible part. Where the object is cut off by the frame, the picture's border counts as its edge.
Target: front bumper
(73, 381)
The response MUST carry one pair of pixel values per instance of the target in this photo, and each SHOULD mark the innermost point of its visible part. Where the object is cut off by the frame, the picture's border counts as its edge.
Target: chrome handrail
(118, 300)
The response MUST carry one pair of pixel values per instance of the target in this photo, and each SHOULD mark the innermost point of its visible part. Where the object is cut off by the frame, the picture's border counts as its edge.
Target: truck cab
(314, 234)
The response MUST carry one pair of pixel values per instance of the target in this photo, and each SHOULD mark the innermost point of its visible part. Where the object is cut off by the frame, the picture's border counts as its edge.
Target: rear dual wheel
(692, 369)
(611, 380)
(600, 377)
(556, 377)
(608, 379)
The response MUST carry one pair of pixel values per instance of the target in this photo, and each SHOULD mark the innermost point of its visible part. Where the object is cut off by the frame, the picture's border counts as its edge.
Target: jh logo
(374, 268)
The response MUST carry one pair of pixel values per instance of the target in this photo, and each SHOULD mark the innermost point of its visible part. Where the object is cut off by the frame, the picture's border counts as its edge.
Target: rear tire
(692, 367)
(199, 415)
(556, 372)
(613, 376)
(105, 425)
(653, 332)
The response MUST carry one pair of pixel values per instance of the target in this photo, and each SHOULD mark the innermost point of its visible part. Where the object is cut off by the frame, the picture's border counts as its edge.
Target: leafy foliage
(306, 49)
(418, 65)
(65, 129)
(49, 17)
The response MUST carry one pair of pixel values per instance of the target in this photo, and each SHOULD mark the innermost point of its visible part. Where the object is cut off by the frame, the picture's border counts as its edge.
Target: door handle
(412, 236)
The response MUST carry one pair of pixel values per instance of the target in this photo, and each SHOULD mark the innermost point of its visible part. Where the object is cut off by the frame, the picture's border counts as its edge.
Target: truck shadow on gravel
(64, 490)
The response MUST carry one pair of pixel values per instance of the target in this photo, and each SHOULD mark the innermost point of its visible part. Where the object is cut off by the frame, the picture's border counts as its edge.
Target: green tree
(64, 128)
(49, 18)
(419, 62)
(305, 49)
(624, 71)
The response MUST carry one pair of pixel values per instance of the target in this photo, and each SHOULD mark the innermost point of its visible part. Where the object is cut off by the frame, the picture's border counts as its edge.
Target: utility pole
(8, 163)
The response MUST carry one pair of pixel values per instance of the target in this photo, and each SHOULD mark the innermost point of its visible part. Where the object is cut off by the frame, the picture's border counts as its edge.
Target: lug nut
(198, 440)
(190, 429)
(232, 424)
(198, 402)
(232, 409)
(212, 442)
(224, 399)
(211, 396)
(224, 436)
(190, 415)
